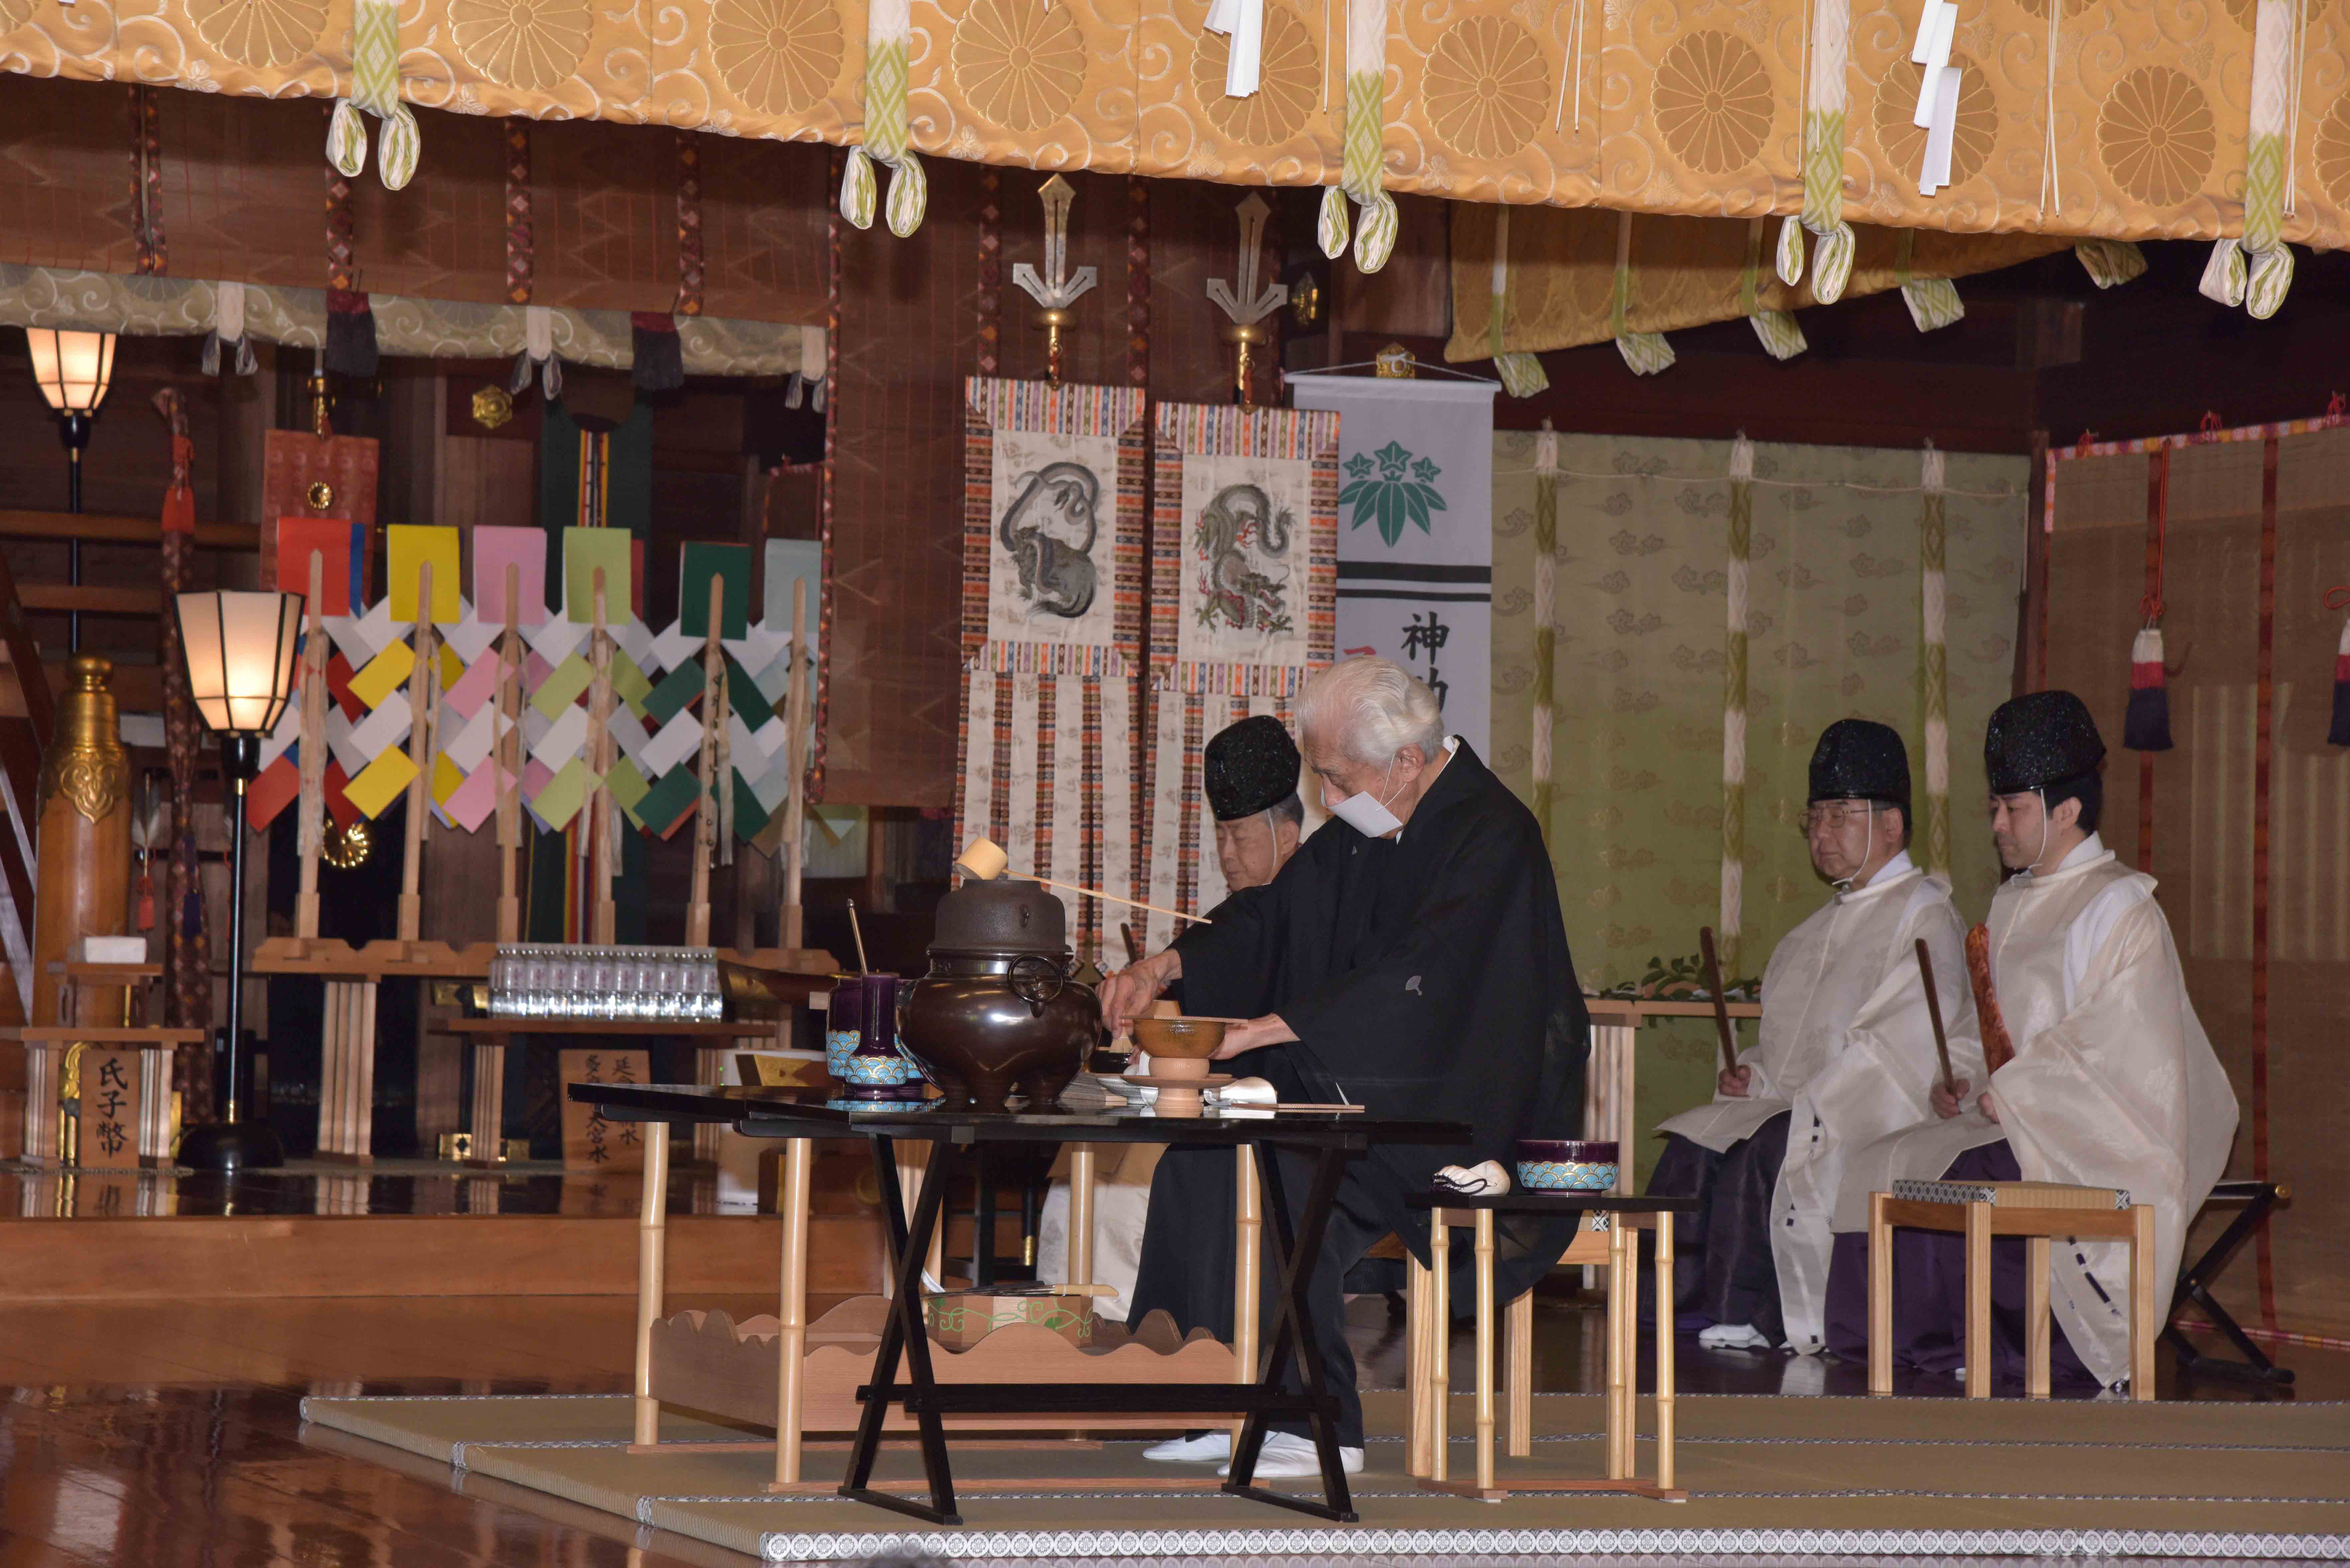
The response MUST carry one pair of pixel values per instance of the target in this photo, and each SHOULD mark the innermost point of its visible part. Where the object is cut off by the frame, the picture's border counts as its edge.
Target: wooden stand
(346, 1073)
(1979, 1222)
(346, 1078)
(1428, 1311)
(1610, 1081)
(45, 1049)
(493, 1037)
(706, 1361)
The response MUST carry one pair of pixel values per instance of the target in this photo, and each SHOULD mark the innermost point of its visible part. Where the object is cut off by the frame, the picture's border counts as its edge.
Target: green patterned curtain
(1833, 627)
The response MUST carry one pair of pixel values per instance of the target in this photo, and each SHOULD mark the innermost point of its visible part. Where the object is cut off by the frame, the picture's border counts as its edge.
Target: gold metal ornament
(1305, 301)
(492, 407)
(346, 849)
(1056, 287)
(86, 761)
(1243, 302)
(320, 495)
(1395, 363)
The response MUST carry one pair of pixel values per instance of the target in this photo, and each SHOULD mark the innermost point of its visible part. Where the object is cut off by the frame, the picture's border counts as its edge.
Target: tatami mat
(1767, 1476)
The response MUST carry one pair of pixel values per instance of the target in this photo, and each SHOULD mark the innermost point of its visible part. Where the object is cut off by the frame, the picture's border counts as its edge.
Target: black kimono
(1425, 976)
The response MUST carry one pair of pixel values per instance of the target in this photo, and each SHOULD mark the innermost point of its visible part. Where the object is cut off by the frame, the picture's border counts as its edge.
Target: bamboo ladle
(983, 859)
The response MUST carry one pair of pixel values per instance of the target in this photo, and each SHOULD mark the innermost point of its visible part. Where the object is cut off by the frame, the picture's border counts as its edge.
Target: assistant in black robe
(1424, 976)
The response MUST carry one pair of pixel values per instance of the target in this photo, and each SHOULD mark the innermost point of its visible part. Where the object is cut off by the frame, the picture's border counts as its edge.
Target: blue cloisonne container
(1567, 1165)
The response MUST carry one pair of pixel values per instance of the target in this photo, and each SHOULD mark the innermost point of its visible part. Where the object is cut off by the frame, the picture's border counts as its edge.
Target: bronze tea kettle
(1001, 1007)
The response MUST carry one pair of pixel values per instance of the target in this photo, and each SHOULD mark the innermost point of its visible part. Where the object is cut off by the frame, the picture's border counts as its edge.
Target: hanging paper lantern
(2146, 726)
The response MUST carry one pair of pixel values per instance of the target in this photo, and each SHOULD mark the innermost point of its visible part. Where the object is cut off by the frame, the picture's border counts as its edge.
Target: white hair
(1372, 708)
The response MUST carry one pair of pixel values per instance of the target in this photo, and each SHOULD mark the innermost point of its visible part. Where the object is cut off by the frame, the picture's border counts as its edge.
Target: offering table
(1327, 1141)
(1610, 1078)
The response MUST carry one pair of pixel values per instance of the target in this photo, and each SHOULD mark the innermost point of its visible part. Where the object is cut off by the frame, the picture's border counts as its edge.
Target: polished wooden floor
(167, 1436)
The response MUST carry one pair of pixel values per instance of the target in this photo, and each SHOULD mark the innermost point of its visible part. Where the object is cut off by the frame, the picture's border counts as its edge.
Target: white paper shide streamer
(1936, 113)
(1242, 21)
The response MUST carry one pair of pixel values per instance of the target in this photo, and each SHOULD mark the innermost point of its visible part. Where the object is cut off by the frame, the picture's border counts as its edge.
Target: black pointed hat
(1251, 766)
(1859, 760)
(2040, 738)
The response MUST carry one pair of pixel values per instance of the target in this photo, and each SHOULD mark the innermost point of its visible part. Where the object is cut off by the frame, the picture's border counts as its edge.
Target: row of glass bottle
(558, 980)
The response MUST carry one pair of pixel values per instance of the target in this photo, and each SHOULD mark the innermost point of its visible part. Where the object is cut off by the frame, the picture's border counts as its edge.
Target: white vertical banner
(1416, 531)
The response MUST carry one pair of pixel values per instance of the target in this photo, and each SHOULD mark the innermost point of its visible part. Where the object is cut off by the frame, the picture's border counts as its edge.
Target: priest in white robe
(2112, 1082)
(1845, 1054)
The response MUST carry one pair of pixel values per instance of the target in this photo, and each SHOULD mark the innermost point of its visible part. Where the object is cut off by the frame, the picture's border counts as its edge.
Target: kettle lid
(1006, 915)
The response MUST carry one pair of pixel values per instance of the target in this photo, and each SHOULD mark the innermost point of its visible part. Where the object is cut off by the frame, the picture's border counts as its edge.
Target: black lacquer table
(1289, 1382)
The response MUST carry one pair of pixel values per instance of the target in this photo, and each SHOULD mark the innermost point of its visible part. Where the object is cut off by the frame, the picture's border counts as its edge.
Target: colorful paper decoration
(559, 799)
(669, 802)
(495, 549)
(563, 738)
(271, 791)
(678, 691)
(409, 548)
(563, 685)
(584, 550)
(678, 739)
(338, 545)
(385, 673)
(626, 786)
(697, 564)
(470, 805)
(380, 782)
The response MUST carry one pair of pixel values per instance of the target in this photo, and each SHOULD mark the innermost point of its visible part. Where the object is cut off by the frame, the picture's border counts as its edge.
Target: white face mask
(1367, 814)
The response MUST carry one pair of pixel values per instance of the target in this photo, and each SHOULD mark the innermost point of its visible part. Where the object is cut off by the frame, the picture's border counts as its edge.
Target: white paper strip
(471, 743)
(672, 647)
(679, 739)
(555, 639)
(632, 637)
(1926, 19)
(979, 755)
(563, 738)
(1939, 136)
(632, 738)
(1068, 740)
(1936, 47)
(387, 726)
(1021, 841)
(275, 744)
(471, 637)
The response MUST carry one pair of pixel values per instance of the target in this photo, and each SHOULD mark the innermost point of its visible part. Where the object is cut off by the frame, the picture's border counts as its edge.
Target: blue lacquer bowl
(1567, 1165)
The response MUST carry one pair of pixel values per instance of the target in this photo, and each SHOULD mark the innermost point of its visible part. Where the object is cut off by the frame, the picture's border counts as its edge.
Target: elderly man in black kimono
(1408, 958)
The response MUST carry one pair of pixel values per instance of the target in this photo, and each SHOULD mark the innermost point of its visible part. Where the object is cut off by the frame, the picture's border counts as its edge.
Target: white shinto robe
(2114, 1083)
(1847, 1045)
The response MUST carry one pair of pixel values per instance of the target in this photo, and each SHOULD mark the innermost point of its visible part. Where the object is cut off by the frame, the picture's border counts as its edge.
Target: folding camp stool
(2195, 1284)
(2036, 1210)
